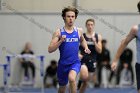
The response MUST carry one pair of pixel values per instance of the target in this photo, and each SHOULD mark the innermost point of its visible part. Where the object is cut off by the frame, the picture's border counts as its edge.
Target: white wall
(110, 5)
(38, 5)
(15, 30)
(57, 5)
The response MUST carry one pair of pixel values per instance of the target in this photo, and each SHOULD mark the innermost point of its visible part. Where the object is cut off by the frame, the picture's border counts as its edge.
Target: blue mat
(89, 90)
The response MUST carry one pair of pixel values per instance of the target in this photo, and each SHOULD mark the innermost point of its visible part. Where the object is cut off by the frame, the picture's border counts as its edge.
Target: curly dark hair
(69, 8)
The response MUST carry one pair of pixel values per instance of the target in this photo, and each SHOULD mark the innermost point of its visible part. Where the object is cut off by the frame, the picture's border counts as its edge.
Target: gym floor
(89, 90)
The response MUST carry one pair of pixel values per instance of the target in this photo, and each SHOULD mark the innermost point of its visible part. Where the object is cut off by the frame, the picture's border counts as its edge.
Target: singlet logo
(71, 39)
(90, 42)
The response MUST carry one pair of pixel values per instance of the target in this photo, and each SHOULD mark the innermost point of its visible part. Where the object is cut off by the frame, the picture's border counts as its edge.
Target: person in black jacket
(50, 78)
(103, 60)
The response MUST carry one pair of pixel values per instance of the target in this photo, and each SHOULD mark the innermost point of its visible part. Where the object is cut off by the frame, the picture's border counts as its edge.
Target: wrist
(115, 60)
(60, 41)
(86, 47)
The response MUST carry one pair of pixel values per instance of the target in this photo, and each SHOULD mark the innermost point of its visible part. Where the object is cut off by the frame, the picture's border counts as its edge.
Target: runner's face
(90, 26)
(70, 18)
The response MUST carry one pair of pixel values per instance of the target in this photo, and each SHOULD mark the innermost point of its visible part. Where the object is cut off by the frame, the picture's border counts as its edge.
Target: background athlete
(134, 33)
(87, 71)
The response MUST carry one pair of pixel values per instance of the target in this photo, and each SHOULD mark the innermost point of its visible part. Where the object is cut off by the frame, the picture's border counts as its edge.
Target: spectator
(103, 62)
(27, 63)
(126, 57)
(125, 75)
(50, 78)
